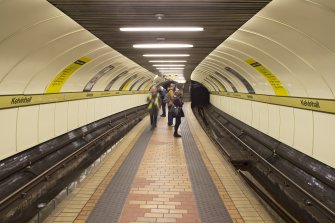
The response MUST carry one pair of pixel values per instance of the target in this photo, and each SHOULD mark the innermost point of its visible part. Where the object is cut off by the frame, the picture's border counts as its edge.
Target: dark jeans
(164, 108)
(170, 118)
(176, 126)
(153, 118)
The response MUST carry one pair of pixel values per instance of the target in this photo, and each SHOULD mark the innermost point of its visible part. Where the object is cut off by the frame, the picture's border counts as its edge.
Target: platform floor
(150, 176)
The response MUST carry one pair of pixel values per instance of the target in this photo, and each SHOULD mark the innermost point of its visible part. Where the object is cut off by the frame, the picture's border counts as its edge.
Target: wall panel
(46, 122)
(61, 118)
(286, 131)
(8, 119)
(324, 143)
(27, 127)
(73, 115)
(274, 121)
(303, 131)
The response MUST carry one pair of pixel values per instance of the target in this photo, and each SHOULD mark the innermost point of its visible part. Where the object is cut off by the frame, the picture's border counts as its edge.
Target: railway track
(281, 182)
(37, 175)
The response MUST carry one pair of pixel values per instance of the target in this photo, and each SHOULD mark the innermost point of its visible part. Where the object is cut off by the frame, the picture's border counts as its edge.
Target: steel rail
(270, 201)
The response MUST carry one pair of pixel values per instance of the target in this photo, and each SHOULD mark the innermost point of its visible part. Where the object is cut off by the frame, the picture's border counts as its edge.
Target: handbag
(175, 111)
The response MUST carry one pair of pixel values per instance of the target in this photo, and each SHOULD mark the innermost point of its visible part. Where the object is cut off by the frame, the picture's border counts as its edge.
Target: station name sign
(314, 104)
(13, 101)
(21, 100)
(321, 105)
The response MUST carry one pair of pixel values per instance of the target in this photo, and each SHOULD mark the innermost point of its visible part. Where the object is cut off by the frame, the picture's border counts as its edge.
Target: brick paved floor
(161, 191)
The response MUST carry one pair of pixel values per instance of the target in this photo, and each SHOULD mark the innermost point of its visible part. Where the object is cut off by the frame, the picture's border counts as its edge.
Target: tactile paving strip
(210, 205)
(109, 207)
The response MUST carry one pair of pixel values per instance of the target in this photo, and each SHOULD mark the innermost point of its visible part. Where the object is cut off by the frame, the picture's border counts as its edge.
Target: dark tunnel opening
(199, 95)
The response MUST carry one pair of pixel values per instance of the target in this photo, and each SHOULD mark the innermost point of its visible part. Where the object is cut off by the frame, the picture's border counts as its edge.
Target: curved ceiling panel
(230, 79)
(288, 37)
(44, 51)
(259, 82)
(281, 51)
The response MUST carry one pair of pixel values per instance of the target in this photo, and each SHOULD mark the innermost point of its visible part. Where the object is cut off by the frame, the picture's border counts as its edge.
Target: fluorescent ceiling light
(170, 68)
(166, 55)
(168, 65)
(162, 29)
(167, 61)
(162, 45)
(172, 73)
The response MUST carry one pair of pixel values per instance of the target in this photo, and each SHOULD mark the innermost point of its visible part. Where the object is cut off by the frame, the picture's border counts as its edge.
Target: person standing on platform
(164, 100)
(154, 103)
(170, 93)
(178, 111)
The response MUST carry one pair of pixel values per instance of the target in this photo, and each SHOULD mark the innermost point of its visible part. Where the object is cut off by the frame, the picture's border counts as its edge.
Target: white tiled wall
(73, 117)
(46, 122)
(8, 128)
(61, 116)
(286, 129)
(307, 131)
(324, 143)
(303, 131)
(274, 121)
(25, 127)
(82, 112)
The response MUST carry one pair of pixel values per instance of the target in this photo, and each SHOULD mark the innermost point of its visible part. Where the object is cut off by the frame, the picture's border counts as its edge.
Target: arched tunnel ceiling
(220, 18)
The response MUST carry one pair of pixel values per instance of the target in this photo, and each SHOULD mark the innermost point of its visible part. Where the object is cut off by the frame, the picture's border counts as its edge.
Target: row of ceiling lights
(164, 68)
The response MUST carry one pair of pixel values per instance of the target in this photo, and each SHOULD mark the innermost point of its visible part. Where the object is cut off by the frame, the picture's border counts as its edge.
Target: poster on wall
(58, 82)
(275, 83)
(96, 77)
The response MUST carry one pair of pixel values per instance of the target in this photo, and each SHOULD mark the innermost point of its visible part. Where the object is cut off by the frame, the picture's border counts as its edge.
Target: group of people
(159, 98)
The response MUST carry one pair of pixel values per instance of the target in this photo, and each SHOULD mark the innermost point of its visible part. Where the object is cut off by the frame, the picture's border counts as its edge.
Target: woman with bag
(177, 111)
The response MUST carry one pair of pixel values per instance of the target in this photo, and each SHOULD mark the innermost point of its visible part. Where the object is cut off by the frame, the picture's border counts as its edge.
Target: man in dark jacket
(178, 103)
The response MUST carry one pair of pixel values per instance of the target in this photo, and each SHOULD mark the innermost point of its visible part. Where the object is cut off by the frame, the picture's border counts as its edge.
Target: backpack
(166, 98)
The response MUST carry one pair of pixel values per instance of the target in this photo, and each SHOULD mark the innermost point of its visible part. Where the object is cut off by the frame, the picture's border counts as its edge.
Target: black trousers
(164, 108)
(176, 126)
(153, 117)
(170, 118)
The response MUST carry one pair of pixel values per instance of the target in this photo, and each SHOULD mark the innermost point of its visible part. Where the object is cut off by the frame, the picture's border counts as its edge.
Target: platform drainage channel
(209, 202)
(109, 207)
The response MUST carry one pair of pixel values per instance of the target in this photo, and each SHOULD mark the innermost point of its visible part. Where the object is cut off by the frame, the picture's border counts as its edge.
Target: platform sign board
(275, 83)
(228, 81)
(124, 86)
(136, 82)
(247, 85)
(96, 77)
(223, 88)
(110, 84)
(144, 82)
(58, 82)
